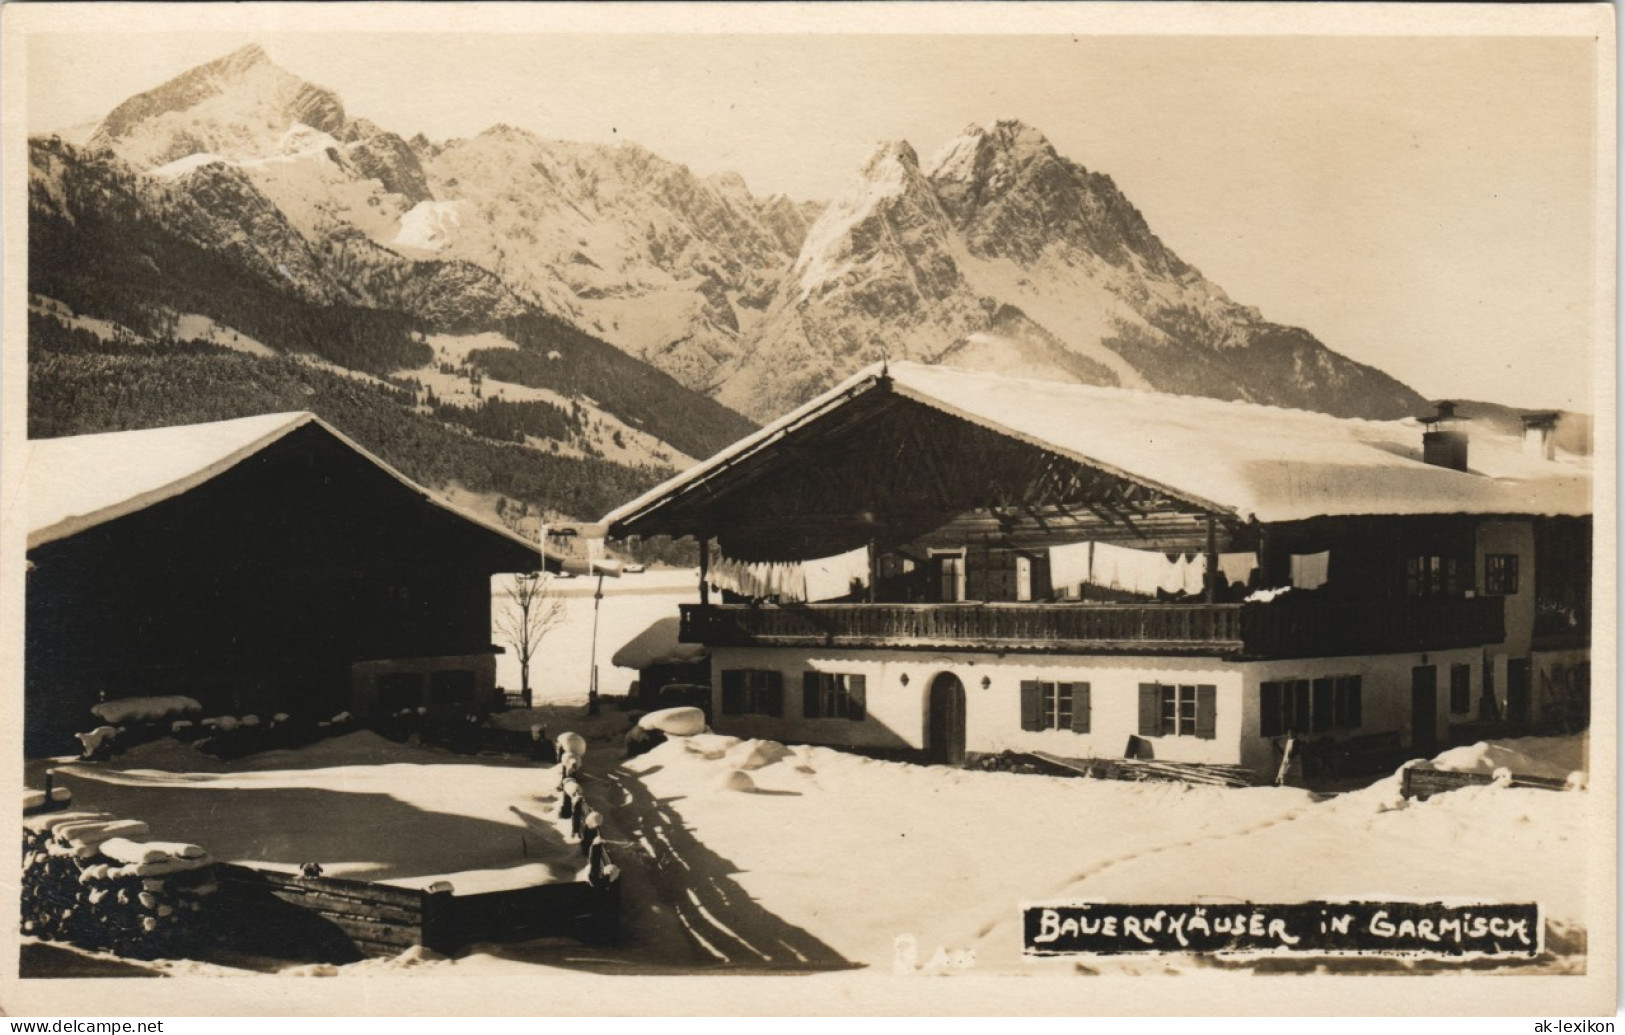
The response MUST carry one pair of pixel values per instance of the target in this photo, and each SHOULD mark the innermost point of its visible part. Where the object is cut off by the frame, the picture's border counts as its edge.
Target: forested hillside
(79, 383)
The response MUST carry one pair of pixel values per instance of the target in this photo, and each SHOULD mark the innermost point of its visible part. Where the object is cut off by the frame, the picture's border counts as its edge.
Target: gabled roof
(77, 482)
(1243, 460)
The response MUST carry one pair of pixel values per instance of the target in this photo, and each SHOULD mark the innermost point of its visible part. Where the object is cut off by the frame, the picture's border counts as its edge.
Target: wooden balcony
(1283, 628)
(1324, 628)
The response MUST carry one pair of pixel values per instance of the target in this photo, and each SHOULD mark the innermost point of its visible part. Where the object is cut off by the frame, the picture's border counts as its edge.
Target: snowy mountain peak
(863, 224)
(888, 157)
(504, 131)
(985, 160)
(238, 106)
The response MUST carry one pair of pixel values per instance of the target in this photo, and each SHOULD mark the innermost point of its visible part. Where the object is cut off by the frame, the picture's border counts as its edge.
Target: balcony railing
(1282, 628)
(1322, 627)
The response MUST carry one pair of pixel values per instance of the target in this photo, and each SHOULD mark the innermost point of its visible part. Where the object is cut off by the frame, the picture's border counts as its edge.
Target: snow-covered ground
(857, 853)
(832, 861)
(193, 326)
(363, 807)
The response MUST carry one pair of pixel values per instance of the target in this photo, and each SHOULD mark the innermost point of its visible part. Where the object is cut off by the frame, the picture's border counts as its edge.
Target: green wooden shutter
(856, 692)
(1207, 712)
(1322, 719)
(1032, 705)
(1269, 710)
(733, 691)
(773, 687)
(810, 703)
(1150, 710)
(1080, 707)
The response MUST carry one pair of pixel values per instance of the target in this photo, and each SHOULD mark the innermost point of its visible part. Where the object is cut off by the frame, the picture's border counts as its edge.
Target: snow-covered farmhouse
(258, 565)
(1084, 571)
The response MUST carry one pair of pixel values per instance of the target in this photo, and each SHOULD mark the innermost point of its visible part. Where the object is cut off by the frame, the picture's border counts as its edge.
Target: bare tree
(532, 608)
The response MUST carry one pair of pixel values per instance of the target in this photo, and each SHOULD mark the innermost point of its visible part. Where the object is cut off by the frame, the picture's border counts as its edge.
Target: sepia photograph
(580, 499)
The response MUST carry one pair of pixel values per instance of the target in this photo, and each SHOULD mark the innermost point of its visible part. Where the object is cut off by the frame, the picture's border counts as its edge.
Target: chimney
(1444, 443)
(1539, 430)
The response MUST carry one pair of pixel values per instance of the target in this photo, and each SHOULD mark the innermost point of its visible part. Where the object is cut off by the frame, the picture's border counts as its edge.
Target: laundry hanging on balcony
(1070, 567)
(1309, 569)
(785, 581)
(1238, 567)
(1144, 573)
(832, 577)
(790, 581)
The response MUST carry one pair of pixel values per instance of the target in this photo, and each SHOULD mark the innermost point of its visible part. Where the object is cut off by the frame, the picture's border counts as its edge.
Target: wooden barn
(260, 565)
(1088, 571)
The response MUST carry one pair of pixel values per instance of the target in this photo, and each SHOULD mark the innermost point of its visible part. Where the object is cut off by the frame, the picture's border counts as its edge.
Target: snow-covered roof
(1254, 462)
(81, 481)
(658, 645)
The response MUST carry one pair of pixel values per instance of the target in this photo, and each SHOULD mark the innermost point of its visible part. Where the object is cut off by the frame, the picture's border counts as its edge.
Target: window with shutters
(1461, 689)
(750, 691)
(1055, 706)
(1300, 706)
(832, 695)
(1179, 710)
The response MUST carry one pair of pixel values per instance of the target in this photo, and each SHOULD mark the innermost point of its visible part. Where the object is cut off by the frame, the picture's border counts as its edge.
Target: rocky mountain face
(669, 266)
(996, 252)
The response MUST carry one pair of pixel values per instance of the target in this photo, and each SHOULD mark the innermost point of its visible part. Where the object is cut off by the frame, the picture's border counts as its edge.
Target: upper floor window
(1432, 575)
(1501, 574)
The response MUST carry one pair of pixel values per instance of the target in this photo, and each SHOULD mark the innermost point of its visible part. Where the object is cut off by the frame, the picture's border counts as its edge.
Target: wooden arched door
(945, 721)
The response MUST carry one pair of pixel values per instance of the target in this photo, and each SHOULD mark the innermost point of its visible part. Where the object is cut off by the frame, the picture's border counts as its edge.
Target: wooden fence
(336, 920)
(1422, 783)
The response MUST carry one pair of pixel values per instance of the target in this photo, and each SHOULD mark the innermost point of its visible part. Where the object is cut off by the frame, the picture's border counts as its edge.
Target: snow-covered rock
(734, 780)
(709, 745)
(754, 754)
(675, 722)
(96, 739)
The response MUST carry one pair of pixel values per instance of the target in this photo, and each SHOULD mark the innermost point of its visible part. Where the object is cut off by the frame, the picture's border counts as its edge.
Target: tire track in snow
(686, 879)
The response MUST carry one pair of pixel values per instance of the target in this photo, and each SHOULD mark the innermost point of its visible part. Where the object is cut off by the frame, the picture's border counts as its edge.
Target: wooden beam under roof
(882, 460)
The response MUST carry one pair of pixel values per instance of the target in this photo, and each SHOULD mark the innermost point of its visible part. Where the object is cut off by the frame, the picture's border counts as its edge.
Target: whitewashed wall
(1514, 537)
(1385, 694)
(897, 710)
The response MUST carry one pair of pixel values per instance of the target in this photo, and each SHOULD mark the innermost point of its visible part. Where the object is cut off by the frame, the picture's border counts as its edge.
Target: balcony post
(1211, 581)
(874, 569)
(705, 571)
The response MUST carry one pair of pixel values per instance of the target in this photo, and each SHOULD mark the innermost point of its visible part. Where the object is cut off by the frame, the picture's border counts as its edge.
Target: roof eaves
(77, 523)
(696, 477)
